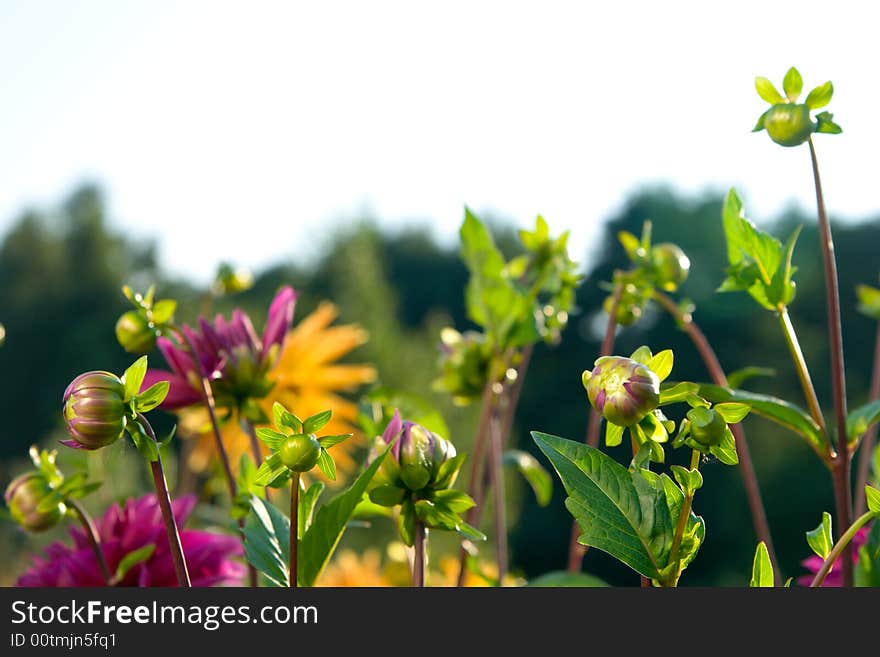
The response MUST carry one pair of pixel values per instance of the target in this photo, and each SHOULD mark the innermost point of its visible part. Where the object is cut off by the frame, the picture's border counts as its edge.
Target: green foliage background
(60, 275)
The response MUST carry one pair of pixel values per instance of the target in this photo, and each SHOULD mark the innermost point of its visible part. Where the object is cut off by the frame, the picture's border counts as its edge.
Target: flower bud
(94, 410)
(671, 265)
(300, 452)
(134, 333)
(789, 124)
(464, 364)
(707, 426)
(622, 390)
(24, 495)
(420, 454)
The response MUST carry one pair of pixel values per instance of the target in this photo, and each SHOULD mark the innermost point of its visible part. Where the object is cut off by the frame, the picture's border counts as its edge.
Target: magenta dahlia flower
(834, 577)
(211, 557)
(232, 356)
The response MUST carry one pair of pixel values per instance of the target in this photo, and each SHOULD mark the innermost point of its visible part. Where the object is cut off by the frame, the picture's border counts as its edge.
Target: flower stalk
(419, 555)
(869, 440)
(293, 571)
(92, 537)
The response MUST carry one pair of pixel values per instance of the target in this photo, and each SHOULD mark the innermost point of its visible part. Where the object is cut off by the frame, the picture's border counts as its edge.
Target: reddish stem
(870, 438)
(93, 538)
(419, 547)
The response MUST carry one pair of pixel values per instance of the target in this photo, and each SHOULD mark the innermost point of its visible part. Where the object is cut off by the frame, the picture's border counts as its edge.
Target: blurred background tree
(61, 272)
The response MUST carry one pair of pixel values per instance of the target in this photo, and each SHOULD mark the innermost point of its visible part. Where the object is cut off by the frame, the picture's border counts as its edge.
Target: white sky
(241, 131)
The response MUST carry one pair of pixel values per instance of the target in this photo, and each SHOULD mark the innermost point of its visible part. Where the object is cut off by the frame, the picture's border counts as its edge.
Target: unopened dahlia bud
(94, 411)
(671, 265)
(134, 333)
(789, 124)
(24, 495)
(622, 390)
(420, 453)
(300, 452)
(707, 426)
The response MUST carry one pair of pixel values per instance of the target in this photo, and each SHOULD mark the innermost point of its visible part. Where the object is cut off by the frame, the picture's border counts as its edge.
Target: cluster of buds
(787, 122)
(465, 365)
(417, 475)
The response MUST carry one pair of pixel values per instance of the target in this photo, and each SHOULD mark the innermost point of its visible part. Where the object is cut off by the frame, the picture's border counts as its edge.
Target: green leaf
(134, 377)
(621, 513)
(448, 472)
(762, 569)
(132, 559)
(869, 300)
(873, 496)
(267, 541)
(163, 311)
(326, 465)
(661, 364)
(792, 84)
(759, 125)
(49, 502)
(630, 243)
(270, 438)
(152, 396)
(767, 91)
(562, 578)
(284, 419)
(270, 470)
(689, 480)
(737, 378)
(820, 539)
(678, 392)
(453, 501)
(307, 500)
(772, 408)
(317, 422)
(867, 567)
(860, 420)
(732, 412)
(144, 443)
(613, 434)
(536, 476)
(825, 124)
(406, 522)
(820, 96)
(642, 355)
(329, 441)
(725, 451)
(322, 537)
(492, 299)
(387, 495)
(782, 288)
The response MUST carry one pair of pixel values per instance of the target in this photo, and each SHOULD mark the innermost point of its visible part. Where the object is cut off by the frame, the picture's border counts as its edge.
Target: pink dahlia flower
(211, 557)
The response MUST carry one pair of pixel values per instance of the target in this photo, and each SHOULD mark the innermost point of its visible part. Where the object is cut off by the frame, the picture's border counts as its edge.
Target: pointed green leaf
(326, 465)
(661, 364)
(163, 311)
(532, 471)
(825, 124)
(267, 540)
(759, 125)
(820, 539)
(689, 480)
(762, 569)
(270, 438)
(134, 377)
(725, 451)
(152, 396)
(387, 495)
(792, 84)
(767, 91)
(820, 96)
(869, 300)
(642, 355)
(873, 497)
(329, 441)
(613, 434)
(454, 501)
(284, 419)
(132, 559)
(144, 443)
(317, 422)
(50, 502)
(861, 419)
(270, 470)
(621, 513)
(307, 500)
(322, 537)
(737, 378)
(678, 392)
(732, 412)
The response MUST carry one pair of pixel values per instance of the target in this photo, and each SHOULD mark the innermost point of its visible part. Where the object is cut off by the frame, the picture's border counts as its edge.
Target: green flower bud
(628, 313)
(300, 452)
(671, 265)
(465, 362)
(24, 495)
(789, 124)
(707, 426)
(420, 454)
(134, 333)
(622, 389)
(94, 411)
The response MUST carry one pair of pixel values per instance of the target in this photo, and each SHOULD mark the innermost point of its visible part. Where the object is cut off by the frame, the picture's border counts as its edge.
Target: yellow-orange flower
(307, 380)
(349, 568)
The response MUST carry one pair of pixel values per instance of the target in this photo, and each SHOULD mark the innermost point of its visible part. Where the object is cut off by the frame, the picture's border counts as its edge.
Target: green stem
(841, 470)
(497, 476)
(800, 364)
(293, 572)
(576, 551)
(683, 518)
(164, 498)
(870, 438)
(93, 538)
(840, 547)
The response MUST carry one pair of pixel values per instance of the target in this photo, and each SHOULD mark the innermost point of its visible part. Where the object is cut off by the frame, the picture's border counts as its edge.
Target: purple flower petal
(280, 319)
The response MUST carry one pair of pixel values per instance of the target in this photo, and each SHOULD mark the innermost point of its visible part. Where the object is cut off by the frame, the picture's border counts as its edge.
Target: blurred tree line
(60, 279)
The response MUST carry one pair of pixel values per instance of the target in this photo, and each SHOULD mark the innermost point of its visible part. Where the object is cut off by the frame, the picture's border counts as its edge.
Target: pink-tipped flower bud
(94, 411)
(622, 389)
(23, 497)
(420, 453)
